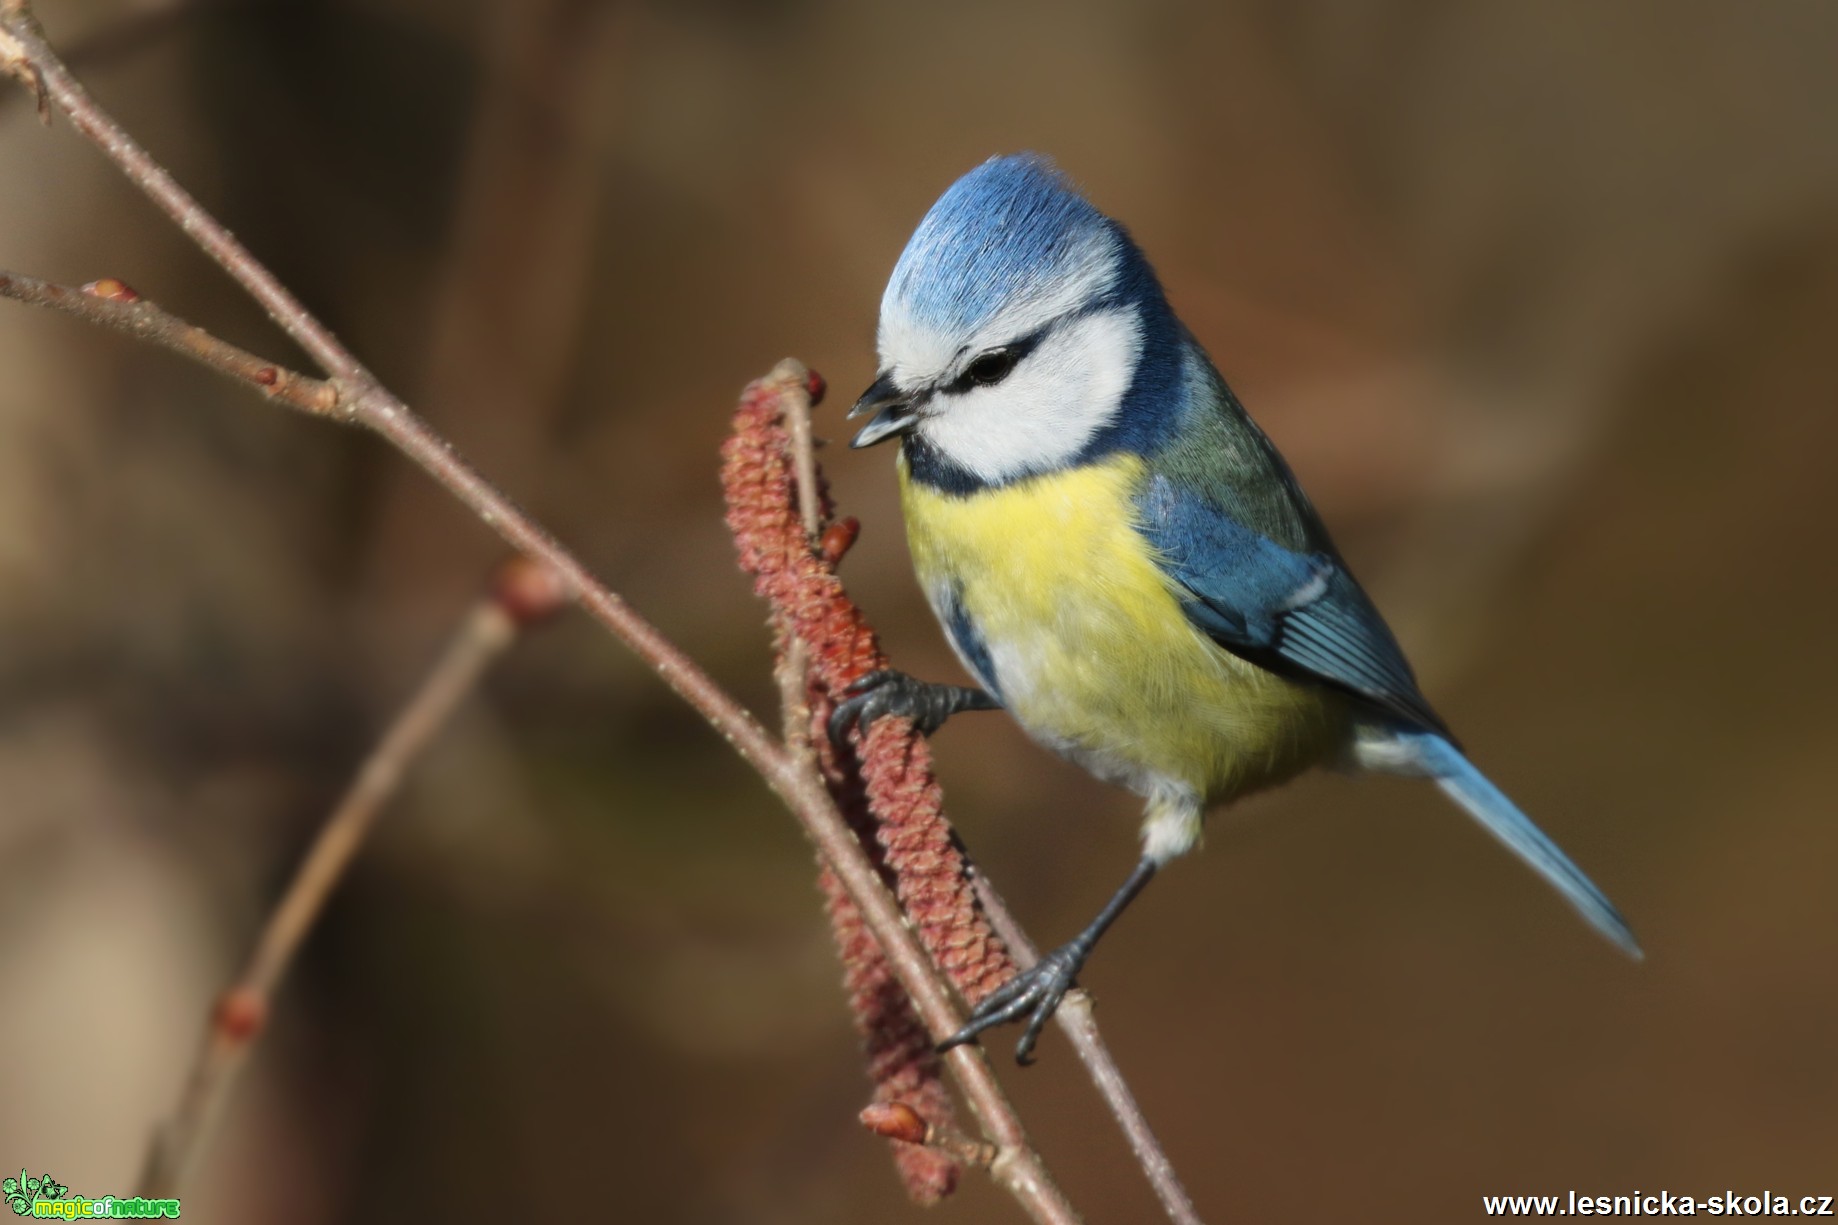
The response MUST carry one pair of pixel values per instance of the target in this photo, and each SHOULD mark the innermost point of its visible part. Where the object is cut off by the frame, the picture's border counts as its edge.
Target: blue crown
(1008, 228)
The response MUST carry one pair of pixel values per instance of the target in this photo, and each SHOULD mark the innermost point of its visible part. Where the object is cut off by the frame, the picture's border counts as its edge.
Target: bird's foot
(895, 693)
(1035, 993)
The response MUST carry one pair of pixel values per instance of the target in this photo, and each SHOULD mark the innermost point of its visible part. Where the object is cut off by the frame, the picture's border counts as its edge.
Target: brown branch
(25, 54)
(810, 514)
(134, 31)
(15, 62)
(521, 595)
(794, 664)
(1077, 1020)
(111, 304)
(365, 401)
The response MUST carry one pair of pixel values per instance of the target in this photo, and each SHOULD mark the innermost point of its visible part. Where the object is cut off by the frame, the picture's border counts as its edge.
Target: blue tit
(1118, 554)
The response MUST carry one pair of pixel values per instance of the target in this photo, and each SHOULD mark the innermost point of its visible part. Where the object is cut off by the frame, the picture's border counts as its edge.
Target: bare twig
(517, 599)
(1076, 1019)
(14, 60)
(111, 304)
(363, 400)
(133, 31)
(792, 681)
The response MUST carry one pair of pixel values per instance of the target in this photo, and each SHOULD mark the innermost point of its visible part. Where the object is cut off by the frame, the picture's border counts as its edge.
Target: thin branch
(150, 21)
(14, 60)
(365, 401)
(24, 52)
(793, 702)
(243, 1008)
(111, 304)
(1077, 1020)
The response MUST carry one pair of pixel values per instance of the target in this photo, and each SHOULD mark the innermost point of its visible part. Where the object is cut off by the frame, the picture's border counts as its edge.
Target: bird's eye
(992, 367)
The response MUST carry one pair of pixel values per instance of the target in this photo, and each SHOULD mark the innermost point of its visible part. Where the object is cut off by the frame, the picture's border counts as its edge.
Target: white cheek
(1059, 397)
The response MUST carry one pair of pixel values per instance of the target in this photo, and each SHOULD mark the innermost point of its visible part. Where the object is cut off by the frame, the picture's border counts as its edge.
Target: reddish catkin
(885, 787)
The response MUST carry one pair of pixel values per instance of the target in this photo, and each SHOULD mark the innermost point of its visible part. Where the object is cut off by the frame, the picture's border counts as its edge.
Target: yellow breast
(1091, 651)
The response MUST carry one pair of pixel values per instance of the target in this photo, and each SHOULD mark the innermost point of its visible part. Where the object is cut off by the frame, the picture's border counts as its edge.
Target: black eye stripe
(991, 366)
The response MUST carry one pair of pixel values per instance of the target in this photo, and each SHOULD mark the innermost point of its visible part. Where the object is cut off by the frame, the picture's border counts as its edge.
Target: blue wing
(1293, 612)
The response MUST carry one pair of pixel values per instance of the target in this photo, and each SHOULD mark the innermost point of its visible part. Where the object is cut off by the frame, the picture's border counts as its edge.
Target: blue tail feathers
(1487, 804)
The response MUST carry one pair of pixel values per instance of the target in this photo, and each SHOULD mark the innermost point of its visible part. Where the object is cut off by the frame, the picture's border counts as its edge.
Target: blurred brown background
(1539, 299)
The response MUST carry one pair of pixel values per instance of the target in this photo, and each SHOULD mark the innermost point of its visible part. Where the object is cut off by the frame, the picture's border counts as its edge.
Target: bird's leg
(1037, 991)
(895, 693)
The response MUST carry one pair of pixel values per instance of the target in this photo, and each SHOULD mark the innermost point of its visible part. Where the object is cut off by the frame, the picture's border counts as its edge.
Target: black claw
(1035, 993)
(854, 708)
(895, 693)
(1024, 1049)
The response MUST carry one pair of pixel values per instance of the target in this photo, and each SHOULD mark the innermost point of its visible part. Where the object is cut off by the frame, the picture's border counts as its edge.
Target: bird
(1118, 554)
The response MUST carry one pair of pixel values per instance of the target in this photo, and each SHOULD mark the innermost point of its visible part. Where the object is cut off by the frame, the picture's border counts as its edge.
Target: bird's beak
(893, 411)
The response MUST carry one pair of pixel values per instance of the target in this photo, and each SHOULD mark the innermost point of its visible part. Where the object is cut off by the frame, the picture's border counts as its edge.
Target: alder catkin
(884, 787)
